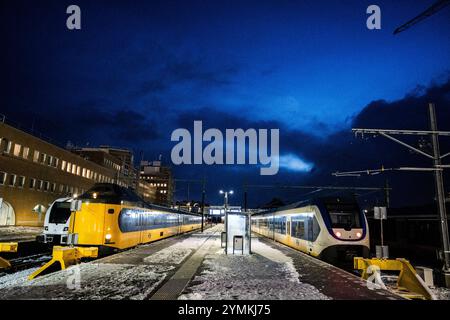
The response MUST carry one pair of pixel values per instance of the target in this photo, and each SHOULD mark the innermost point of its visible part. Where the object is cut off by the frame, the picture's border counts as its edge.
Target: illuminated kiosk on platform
(237, 235)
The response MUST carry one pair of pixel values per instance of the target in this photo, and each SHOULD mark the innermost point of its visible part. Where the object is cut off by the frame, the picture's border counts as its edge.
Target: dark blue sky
(138, 70)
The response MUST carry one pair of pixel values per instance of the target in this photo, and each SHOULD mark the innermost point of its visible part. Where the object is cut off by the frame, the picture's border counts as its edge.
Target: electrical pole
(437, 169)
(203, 203)
(440, 193)
(436, 7)
(387, 194)
(245, 198)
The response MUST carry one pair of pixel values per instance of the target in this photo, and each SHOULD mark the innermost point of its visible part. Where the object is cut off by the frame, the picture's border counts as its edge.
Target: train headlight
(338, 234)
(358, 234)
(108, 236)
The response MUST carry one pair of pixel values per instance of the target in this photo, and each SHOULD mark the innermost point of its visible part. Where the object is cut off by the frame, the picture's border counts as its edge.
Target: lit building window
(78, 170)
(74, 169)
(36, 156)
(84, 173)
(26, 152)
(69, 166)
(17, 148)
(63, 165)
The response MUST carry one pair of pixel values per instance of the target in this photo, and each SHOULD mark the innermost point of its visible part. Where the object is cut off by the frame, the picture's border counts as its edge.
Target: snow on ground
(168, 256)
(266, 274)
(441, 293)
(15, 279)
(88, 281)
(178, 252)
(102, 280)
(18, 233)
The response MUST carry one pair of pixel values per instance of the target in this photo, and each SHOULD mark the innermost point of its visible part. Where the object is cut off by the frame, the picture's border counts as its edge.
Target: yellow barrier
(409, 283)
(64, 257)
(7, 247)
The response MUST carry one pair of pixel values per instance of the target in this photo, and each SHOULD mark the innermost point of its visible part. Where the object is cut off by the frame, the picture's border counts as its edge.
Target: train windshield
(344, 215)
(60, 212)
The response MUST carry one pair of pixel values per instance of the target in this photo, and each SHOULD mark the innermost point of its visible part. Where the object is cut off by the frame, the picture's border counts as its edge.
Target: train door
(144, 234)
(109, 224)
(288, 230)
(288, 226)
(273, 227)
(309, 234)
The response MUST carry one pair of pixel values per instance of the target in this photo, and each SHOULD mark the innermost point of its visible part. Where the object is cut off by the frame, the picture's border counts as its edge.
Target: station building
(160, 177)
(119, 160)
(35, 172)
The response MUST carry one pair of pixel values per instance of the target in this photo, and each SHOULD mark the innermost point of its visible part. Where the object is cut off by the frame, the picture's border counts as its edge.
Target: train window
(345, 220)
(316, 229)
(346, 216)
(60, 212)
(298, 229)
(280, 224)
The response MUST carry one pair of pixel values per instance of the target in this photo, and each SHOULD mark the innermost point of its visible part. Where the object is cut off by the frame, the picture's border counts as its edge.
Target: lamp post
(225, 206)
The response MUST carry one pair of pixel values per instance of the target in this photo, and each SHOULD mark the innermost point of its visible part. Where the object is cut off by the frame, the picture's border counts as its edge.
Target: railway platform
(194, 266)
(19, 234)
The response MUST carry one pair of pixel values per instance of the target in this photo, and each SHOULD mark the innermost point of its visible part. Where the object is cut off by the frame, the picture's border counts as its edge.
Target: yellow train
(111, 216)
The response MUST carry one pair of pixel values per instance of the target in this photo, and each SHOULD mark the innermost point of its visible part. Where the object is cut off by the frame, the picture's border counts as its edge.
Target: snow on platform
(132, 274)
(18, 233)
(273, 271)
(267, 274)
(88, 281)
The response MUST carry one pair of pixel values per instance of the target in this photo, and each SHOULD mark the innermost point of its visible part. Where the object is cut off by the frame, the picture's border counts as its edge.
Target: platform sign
(380, 213)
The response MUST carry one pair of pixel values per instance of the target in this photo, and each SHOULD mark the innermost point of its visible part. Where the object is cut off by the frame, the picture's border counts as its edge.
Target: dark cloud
(186, 71)
(341, 151)
(90, 122)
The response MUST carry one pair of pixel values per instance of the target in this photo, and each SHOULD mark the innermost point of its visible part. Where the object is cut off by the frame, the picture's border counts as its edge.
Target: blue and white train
(333, 229)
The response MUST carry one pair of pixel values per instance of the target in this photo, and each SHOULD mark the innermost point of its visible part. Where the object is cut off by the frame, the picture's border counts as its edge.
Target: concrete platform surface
(19, 234)
(193, 266)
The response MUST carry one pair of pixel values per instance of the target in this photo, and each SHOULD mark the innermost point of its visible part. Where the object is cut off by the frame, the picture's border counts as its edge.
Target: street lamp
(225, 206)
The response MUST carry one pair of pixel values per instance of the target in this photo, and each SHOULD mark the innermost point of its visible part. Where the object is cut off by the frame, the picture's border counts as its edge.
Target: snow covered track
(193, 266)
